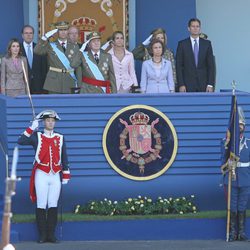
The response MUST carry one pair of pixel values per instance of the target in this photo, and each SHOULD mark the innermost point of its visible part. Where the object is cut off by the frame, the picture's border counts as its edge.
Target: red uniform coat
(50, 155)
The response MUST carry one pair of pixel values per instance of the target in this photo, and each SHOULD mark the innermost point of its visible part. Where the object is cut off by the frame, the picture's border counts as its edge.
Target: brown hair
(116, 33)
(13, 40)
(28, 26)
(194, 20)
(150, 51)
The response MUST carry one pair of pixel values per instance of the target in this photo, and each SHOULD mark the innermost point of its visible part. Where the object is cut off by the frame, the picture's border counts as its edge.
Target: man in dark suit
(37, 65)
(195, 65)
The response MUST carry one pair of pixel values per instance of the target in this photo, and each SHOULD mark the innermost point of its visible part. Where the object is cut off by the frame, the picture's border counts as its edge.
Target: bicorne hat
(48, 114)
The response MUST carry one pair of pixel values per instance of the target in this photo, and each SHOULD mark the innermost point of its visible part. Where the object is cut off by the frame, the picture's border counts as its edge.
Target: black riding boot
(241, 225)
(233, 223)
(41, 224)
(51, 224)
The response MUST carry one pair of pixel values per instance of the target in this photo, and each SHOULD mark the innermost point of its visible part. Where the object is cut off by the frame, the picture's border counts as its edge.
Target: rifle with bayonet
(10, 187)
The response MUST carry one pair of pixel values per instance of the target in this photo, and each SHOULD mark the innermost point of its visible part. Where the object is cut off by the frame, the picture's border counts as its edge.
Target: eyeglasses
(28, 33)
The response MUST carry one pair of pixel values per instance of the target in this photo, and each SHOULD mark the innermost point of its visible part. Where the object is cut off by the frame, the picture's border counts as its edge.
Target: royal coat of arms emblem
(140, 142)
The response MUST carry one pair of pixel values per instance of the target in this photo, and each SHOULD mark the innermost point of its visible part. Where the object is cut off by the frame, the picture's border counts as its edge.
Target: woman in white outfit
(123, 62)
(157, 74)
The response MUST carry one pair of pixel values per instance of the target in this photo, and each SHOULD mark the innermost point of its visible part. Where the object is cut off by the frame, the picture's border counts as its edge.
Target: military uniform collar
(48, 133)
(65, 42)
(93, 53)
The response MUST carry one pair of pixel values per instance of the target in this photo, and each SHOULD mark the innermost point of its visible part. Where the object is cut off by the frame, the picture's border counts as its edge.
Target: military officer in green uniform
(61, 77)
(96, 66)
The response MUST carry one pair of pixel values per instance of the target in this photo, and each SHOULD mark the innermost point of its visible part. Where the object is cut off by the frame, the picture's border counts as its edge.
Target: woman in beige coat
(12, 76)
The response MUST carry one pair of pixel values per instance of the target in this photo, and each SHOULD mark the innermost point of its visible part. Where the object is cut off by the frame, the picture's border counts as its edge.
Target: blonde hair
(158, 31)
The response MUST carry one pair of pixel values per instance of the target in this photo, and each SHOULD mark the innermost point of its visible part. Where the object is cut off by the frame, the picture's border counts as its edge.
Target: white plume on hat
(48, 114)
(242, 119)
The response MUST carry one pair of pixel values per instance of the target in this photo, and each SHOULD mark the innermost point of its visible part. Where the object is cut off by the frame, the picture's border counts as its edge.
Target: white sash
(94, 69)
(64, 60)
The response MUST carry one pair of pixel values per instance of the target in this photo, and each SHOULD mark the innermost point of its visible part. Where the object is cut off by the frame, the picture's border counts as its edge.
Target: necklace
(156, 61)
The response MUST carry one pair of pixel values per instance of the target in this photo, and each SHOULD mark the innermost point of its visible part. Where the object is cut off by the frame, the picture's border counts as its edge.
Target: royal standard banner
(232, 142)
(140, 142)
(105, 16)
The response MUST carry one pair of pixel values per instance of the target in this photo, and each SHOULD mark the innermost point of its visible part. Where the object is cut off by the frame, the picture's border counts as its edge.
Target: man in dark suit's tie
(63, 44)
(96, 58)
(196, 52)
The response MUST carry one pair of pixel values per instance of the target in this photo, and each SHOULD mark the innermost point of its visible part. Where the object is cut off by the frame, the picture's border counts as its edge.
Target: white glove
(148, 40)
(49, 34)
(9, 247)
(65, 181)
(84, 46)
(106, 45)
(34, 125)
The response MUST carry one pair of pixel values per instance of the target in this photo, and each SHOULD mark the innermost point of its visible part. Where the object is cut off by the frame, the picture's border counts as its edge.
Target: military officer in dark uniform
(240, 186)
(61, 77)
(50, 170)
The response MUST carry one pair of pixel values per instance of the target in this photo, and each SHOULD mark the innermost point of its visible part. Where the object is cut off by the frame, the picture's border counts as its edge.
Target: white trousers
(48, 187)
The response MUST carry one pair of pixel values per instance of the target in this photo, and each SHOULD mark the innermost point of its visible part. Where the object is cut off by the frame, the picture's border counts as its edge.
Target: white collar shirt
(65, 43)
(98, 53)
(197, 40)
(25, 45)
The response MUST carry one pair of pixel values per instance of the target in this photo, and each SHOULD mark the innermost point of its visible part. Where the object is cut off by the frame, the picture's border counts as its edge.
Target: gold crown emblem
(85, 23)
(139, 118)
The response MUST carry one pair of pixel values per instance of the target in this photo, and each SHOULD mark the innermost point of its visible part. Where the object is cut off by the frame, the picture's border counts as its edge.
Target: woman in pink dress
(123, 62)
(12, 76)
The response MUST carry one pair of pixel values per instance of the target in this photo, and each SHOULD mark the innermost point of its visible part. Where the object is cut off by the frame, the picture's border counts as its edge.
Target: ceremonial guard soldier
(240, 189)
(50, 169)
(97, 67)
(60, 78)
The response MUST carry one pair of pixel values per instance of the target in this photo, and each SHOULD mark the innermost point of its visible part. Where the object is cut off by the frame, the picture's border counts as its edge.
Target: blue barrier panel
(171, 229)
(200, 121)
(151, 229)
